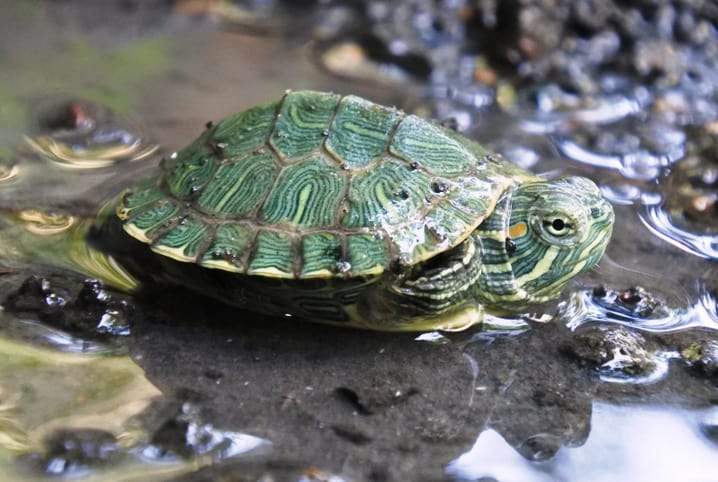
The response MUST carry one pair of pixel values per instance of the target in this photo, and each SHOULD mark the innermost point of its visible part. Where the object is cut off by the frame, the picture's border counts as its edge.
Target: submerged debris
(179, 429)
(633, 302)
(88, 310)
(69, 452)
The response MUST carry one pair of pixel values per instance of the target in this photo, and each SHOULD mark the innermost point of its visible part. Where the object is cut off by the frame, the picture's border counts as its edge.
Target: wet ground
(619, 379)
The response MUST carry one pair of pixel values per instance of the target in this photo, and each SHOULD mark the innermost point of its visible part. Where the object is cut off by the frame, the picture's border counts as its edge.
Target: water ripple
(81, 135)
(46, 223)
(8, 168)
(659, 223)
(640, 164)
(586, 306)
(605, 111)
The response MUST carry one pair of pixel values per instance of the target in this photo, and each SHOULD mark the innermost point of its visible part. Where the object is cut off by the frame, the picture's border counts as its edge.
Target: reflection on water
(53, 237)
(80, 408)
(626, 443)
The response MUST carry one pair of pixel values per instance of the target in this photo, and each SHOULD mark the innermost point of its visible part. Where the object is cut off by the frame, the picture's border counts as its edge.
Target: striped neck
(497, 285)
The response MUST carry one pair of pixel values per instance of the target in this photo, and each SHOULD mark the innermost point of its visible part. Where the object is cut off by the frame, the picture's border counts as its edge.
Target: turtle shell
(316, 185)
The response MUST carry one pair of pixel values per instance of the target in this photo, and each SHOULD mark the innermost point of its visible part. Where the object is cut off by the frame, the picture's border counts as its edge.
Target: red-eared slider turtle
(335, 209)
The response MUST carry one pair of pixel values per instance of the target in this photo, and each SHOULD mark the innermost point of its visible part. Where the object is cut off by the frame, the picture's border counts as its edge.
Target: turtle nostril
(602, 210)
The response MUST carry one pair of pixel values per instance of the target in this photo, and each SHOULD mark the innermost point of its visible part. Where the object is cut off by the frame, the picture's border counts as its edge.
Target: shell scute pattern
(367, 253)
(246, 131)
(306, 195)
(150, 223)
(386, 195)
(137, 201)
(315, 185)
(302, 125)
(240, 185)
(190, 170)
(361, 132)
(418, 140)
(184, 242)
(229, 249)
(273, 255)
(321, 252)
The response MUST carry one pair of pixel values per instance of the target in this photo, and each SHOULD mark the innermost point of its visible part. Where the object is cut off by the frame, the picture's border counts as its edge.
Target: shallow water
(98, 385)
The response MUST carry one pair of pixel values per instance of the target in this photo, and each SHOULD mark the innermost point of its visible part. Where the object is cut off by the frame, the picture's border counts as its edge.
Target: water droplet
(343, 267)
(439, 187)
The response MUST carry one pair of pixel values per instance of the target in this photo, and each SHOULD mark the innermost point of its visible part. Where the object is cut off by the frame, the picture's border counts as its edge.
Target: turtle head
(553, 231)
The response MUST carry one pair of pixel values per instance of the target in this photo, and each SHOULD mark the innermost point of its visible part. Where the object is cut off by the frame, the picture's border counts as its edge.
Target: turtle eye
(557, 226)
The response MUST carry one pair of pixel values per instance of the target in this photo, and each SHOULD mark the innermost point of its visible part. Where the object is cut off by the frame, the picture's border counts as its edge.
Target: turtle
(335, 209)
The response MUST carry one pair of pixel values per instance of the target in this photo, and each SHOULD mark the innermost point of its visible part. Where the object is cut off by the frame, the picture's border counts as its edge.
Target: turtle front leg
(433, 295)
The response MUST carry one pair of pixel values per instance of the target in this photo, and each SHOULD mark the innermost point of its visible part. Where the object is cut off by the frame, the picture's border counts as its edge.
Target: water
(667, 446)
(615, 381)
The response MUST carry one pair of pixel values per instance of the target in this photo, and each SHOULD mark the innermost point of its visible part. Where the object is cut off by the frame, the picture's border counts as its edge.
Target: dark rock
(86, 309)
(612, 350)
(36, 294)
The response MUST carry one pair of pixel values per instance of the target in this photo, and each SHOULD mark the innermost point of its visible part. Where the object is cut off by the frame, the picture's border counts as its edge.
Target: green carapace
(335, 209)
